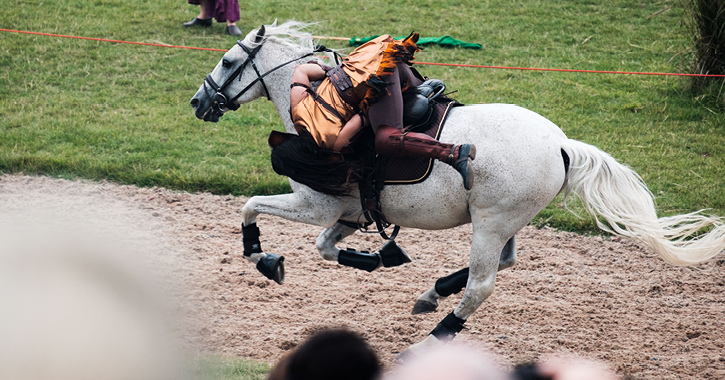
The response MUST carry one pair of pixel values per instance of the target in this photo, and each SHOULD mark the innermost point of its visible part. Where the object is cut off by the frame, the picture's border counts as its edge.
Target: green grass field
(98, 110)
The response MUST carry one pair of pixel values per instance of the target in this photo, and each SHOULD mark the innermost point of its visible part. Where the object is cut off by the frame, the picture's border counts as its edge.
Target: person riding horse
(366, 89)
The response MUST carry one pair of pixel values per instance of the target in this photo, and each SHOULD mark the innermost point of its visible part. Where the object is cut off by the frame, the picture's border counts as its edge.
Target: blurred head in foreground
(329, 355)
(76, 301)
(449, 362)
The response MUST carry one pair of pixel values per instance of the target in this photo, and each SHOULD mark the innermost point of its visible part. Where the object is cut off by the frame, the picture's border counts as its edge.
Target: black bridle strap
(251, 53)
(221, 99)
(260, 78)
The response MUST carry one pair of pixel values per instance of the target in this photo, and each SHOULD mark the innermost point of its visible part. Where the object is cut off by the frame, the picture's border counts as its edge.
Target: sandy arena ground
(603, 298)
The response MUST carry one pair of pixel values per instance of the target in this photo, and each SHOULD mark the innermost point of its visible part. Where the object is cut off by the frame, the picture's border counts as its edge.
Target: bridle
(220, 102)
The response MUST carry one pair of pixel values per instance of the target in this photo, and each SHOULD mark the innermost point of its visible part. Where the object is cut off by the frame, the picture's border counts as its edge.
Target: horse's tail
(618, 194)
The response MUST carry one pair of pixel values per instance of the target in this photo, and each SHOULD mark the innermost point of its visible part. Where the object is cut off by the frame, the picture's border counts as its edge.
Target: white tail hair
(618, 194)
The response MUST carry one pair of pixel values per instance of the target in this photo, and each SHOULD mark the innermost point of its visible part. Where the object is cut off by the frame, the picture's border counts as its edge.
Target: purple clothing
(221, 10)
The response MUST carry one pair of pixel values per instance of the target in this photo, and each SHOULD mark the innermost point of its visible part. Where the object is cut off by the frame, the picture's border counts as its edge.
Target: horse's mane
(292, 33)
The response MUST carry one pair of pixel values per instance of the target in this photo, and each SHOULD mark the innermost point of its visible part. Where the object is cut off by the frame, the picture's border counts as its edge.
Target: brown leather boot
(390, 141)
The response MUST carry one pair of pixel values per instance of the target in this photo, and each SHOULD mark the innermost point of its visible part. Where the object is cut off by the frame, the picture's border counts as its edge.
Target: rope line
(419, 63)
(107, 40)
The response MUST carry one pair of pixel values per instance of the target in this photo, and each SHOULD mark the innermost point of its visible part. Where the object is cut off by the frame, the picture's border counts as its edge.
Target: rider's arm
(305, 74)
(348, 131)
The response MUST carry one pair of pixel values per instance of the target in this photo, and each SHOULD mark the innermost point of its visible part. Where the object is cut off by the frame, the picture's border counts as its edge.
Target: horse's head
(236, 79)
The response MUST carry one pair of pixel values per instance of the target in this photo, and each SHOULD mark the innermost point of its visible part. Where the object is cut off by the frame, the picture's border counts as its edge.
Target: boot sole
(472, 153)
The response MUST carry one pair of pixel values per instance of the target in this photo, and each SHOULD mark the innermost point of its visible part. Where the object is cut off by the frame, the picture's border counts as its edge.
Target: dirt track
(603, 298)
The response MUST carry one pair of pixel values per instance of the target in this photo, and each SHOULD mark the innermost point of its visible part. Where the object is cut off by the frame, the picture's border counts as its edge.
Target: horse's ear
(277, 137)
(260, 34)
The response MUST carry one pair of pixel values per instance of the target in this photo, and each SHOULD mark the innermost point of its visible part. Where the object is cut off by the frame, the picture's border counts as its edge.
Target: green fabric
(445, 41)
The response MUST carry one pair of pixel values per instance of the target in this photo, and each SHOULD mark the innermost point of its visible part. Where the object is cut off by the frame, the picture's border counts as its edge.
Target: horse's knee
(476, 292)
(481, 289)
(326, 247)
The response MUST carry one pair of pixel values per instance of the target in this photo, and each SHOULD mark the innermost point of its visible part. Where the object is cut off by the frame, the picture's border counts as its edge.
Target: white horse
(523, 162)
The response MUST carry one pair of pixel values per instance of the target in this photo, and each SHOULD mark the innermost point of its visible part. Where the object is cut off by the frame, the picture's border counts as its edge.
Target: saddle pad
(411, 170)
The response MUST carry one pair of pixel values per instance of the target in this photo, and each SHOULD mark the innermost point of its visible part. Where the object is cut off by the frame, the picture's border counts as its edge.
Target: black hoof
(272, 267)
(423, 307)
(393, 255)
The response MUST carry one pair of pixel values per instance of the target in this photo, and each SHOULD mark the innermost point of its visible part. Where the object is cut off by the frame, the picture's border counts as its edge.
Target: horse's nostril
(195, 102)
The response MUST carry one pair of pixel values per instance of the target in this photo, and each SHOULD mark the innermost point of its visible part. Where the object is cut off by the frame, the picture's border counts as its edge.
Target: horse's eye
(226, 63)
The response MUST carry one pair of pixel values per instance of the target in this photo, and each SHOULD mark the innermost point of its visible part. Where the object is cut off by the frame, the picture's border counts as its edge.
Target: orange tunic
(323, 125)
(360, 65)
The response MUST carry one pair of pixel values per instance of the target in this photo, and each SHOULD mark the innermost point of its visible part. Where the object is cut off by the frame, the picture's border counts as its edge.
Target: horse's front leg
(324, 212)
(390, 255)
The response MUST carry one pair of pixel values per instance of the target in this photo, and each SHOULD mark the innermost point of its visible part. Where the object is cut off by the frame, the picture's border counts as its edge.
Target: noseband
(220, 102)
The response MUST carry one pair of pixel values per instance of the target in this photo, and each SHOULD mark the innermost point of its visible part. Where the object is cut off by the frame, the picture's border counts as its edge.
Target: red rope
(420, 63)
(106, 40)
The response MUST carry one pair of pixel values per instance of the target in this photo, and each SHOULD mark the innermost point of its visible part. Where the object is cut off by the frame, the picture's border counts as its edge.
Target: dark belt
(343, 85)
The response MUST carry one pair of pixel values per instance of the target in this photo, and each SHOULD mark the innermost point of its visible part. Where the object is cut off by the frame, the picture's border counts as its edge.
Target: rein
(219, 101)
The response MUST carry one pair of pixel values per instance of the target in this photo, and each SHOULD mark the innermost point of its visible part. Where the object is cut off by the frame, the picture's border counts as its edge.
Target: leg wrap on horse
(271, 265)
(448, 327)
(393, 255)
(250, 239)
(360, 260)
(452, 284)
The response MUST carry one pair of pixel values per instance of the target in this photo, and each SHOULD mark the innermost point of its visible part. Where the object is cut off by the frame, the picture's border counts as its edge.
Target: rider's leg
(391, 141)
(386, 118)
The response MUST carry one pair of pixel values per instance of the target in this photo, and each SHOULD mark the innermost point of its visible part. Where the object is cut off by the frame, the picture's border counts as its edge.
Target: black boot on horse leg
(269, 264)
(455, 282)
(444, 287)
(391, 255)
(444, 332)
(390, 141)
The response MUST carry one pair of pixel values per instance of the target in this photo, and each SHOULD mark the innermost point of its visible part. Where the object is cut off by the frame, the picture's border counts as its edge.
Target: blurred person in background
(222, 10)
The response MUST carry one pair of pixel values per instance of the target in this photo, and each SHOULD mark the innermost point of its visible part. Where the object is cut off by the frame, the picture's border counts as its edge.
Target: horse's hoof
(423, 306)
(272, 267)
(279, 274)
(393, 255)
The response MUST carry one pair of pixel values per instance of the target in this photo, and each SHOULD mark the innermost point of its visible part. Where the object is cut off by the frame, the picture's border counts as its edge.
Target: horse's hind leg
(444, 287)
(484, 262)
(455, 282)
(508, 254)
(389, 256)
